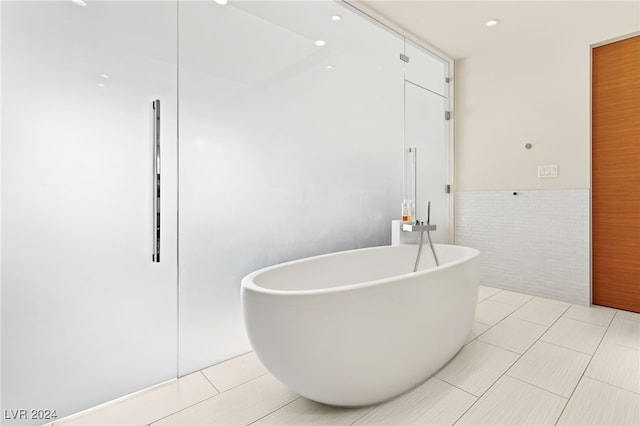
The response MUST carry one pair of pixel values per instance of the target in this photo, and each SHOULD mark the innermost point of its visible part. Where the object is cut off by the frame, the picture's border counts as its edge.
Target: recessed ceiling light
(336, 17)
(104, 75)
(320, 43)
(492, 22)
(79, 2)
(101, 84)
(221, 2)
(329, 67)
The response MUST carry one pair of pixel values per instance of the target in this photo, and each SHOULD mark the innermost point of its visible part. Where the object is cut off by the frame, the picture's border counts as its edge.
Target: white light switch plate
(549, 171)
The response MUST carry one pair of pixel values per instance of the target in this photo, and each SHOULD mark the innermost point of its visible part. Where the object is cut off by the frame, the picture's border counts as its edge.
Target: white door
(86, 315)
(426, 130)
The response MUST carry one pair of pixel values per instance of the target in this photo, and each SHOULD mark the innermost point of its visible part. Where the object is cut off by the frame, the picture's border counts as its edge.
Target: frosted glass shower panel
(426, 70)
(426, 130)
(288, 148)
(86, 316)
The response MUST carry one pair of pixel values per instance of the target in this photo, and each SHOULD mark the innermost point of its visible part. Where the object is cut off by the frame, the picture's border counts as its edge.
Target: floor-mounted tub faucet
(422, 228)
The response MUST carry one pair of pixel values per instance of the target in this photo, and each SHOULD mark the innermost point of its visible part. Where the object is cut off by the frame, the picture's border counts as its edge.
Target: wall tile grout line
(532, 256)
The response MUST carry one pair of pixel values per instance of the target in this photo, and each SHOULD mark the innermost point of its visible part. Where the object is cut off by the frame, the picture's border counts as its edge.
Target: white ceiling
(457, 28)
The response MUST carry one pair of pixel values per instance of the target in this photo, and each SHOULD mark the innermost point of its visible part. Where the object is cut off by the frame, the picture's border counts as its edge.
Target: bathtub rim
(248, 284)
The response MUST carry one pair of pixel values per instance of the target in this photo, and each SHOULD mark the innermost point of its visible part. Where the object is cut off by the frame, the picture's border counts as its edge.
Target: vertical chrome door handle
(155, 257)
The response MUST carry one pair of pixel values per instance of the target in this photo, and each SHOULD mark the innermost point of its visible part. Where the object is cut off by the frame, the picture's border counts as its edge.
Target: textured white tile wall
(535, 242)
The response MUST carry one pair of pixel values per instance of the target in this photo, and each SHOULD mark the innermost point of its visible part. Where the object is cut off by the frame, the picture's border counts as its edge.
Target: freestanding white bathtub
(359, 327)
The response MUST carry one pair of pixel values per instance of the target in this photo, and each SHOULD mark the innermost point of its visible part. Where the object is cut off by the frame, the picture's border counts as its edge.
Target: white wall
(537, 91)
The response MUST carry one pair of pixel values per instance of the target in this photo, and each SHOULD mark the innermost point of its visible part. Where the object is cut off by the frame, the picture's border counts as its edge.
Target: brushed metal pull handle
(155, 257)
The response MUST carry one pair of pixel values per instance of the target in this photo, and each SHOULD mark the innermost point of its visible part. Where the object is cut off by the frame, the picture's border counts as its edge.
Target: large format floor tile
(597, 315)
(150, 405)
(631, 316)
(303, 411)
(624, 332)
(477, 329)
(511, 298)
(512, 402)
(551, 367)
(616, 365)
(432, 403)
(597, 403)
(239, 406)
(540, 311)
(477, 366)
(514, 334)
(523, 357)
(234, 372)
(555, 302)
(577, 335)
(490, 312)
(485, 292)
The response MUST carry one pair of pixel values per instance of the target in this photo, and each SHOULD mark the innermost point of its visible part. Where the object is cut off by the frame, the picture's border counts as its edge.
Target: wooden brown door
(616, 174)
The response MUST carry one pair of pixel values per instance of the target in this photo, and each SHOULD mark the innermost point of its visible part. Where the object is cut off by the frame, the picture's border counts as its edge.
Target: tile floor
(528, 360)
